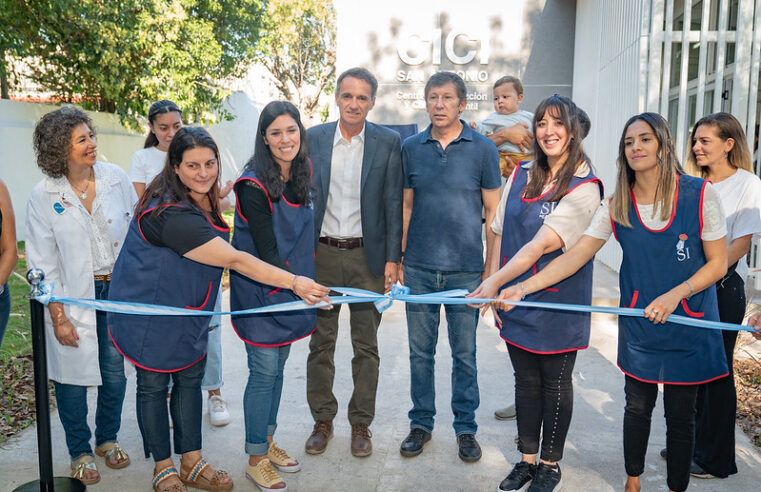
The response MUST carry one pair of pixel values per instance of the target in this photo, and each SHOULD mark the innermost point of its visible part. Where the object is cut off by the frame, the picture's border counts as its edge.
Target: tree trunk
(3, 77)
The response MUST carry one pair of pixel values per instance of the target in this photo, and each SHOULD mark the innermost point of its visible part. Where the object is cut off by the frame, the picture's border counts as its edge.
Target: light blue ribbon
(382, 302)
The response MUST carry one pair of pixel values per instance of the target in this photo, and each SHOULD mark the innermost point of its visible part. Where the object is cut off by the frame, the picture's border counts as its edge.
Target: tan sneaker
(280, 459)
(264, 475)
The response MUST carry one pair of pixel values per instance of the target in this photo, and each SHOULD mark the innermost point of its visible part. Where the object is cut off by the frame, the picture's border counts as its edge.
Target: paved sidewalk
(593, 458)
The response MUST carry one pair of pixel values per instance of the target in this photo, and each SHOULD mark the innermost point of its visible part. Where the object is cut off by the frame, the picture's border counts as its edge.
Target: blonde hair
(726, 127)
(668, 166)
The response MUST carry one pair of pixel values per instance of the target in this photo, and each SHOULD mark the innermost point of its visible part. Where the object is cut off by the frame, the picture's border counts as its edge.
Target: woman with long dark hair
(720, 154)
(174, 254)
(164, 121)
(545, 207)
(672, 232)
(274, 221)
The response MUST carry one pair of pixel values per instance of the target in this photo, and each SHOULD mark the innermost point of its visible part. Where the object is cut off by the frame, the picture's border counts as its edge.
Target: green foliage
(121, 56)
(18, 334)
(298, 47)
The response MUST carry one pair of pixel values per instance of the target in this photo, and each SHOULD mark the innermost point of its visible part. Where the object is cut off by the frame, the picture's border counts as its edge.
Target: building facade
(615, 58)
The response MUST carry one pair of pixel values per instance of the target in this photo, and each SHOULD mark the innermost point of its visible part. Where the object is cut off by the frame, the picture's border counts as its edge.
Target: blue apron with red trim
(540, 330)
(158, 275)
(654, 262)
(293, 226)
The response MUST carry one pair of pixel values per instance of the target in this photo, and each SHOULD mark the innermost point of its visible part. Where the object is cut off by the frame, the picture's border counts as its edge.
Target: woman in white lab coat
(77, 218)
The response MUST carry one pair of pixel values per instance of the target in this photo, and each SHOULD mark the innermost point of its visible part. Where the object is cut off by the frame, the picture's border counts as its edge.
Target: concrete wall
(608, 83)
(115, 144)
(404, 42)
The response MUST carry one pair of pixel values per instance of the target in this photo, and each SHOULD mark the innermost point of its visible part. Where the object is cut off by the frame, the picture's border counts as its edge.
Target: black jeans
(717, 400)
(185, 405)
(679, 407)
(543, 400)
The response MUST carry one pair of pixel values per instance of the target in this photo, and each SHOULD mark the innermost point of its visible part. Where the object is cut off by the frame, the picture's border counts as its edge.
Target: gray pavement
(593, 458)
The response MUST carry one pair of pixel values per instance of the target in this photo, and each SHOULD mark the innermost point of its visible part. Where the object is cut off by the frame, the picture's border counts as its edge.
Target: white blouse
(570, 217)
(713, 218)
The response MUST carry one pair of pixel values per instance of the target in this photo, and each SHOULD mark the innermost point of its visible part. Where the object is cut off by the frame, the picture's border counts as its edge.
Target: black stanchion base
(60, 484)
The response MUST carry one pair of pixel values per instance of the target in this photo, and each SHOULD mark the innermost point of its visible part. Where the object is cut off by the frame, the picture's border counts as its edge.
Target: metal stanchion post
(47, 482)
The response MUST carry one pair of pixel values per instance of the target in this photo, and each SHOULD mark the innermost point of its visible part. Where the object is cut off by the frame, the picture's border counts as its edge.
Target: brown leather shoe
(361, 443)
(321, 434)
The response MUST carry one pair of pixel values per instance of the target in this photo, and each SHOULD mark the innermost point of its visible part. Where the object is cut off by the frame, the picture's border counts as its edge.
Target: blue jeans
(185, 404)
(212, 378)
(261, 400)
(5, 310)
(72, 399)
(423, 331)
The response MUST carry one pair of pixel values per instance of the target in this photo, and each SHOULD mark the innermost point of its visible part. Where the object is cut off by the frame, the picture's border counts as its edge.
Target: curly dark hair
(52, 139)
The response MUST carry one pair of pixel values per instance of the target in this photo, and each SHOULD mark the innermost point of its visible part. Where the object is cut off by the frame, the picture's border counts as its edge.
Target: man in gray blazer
(358, 225)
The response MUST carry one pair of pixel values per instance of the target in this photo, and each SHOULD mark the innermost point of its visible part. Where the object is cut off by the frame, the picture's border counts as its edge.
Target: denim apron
(543, 331)
(293, 226)
(150, 274)
(654, 262)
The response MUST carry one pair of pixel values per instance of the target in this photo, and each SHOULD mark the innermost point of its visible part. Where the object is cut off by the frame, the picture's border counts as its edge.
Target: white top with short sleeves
(741, 199)
(714, 226)
(146, 164)
(571, 215)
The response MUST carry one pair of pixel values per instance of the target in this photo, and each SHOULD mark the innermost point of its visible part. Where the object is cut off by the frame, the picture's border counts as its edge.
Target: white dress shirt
(343, 219)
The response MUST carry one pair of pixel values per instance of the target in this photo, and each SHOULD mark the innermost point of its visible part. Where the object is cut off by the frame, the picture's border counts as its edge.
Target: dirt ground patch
(17, 396)
(748, 386)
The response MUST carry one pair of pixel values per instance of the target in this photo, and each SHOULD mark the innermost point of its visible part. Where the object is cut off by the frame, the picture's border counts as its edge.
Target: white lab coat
(58, 243)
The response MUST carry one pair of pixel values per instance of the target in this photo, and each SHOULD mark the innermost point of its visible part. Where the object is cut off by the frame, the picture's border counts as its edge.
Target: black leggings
(717, 400)
(543, 400)
(679, 407)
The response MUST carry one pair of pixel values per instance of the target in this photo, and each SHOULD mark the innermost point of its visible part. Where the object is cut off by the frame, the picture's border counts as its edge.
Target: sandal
(116, 456)
(164, 474)
(80, 467)
(203, 476)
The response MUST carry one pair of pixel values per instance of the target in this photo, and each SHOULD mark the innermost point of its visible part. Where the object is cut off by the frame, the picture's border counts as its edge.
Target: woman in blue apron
(274, 221)
(164, 120)
(672, 232)
(174, 254)
(545, 208)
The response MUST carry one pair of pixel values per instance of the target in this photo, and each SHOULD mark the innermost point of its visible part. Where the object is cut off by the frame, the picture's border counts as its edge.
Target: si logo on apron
(654, 262)
(539, 330)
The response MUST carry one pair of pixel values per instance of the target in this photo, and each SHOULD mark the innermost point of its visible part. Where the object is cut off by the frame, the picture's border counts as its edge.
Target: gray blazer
(381, 194)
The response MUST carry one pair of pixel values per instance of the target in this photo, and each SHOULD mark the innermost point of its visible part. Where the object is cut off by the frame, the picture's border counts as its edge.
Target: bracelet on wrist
(293, 284)
(523, 291)
(692, 291)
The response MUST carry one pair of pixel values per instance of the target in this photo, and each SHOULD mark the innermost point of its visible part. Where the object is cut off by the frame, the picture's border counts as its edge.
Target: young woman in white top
(164, 120)
(720, 154)
(77, 218)
(672, 231)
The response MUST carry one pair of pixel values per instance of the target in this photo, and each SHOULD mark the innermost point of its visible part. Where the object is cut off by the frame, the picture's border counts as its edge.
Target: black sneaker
(414, 442)
(469, 450)
(664, 453)
(697, 471)
(547, 478)
(519, 478)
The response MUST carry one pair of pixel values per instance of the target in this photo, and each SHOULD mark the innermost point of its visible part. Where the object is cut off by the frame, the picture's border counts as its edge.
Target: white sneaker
(218, 414)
